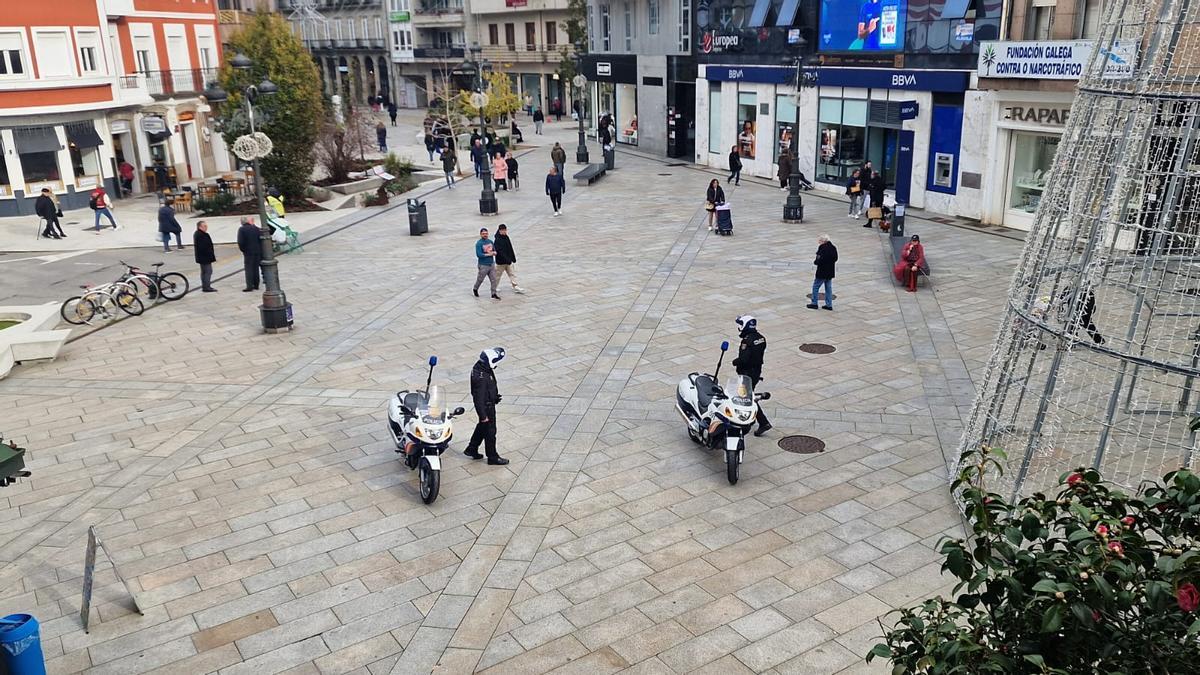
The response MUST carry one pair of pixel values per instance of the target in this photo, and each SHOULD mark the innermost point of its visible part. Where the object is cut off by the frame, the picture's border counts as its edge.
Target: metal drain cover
(817, 348)
(664, 174)
(802, 445)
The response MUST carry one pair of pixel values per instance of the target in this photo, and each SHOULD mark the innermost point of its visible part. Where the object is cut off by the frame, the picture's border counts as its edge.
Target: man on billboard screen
(862, 25)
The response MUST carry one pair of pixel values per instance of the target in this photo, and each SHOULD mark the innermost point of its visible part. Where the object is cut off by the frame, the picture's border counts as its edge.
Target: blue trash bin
(21, 646)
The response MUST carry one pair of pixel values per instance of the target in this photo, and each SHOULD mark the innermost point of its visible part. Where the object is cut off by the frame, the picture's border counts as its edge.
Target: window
(1041, 23)
(591, 34)
(40, 166)
(653, 12)
(143, 60)
(628, 28)
(510, 35)
(378, 28)
(530, 36)
(90, 58)
(1032, 159)
(53, 49)
(551, 33)
(841, 141)
(747, 128)
(1089, 28)
(605, 42)
(206, 57)
(351, 27)
(493, 34)
(714, 117)
(365, 33)
(685, 25)
(785, 124)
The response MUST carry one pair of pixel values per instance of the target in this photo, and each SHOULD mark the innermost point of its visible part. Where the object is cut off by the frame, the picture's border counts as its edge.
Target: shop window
(625, 114)
(785, 125)
(747, 124)
(86, 165)
(714, 117)
(12, 55)
(40, 166)
(1032, 157)
(841, 141)
(653, 14)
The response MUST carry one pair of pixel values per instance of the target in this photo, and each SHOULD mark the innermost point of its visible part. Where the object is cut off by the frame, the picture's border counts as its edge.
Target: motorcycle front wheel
(732, 464)
(430, 481)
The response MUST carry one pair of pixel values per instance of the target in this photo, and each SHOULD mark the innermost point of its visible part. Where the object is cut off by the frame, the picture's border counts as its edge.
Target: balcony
(131, 90)
(231, 17)
(440, 53)
(177, 83)
(438, 13)
(526, 53)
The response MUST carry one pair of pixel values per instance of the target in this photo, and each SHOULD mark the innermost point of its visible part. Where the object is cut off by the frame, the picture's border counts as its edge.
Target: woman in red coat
(911, 263)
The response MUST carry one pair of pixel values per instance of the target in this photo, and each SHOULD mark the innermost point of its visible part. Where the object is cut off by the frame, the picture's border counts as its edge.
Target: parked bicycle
(169, 286)
(102, 301)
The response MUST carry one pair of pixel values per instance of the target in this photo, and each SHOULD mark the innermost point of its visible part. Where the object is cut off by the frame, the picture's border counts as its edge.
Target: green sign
(398, 17)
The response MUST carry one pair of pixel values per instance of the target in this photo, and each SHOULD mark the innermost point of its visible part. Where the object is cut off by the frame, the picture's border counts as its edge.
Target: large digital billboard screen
(862, 25)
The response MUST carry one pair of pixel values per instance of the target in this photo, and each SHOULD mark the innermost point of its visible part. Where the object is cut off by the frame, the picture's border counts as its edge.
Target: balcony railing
(439, 7)
(439, 52)
(230, 17)
(167, 83)
(128, 82)
(526, 52)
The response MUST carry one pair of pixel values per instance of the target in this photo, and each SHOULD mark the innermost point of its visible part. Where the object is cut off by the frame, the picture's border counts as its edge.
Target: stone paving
(248, 490)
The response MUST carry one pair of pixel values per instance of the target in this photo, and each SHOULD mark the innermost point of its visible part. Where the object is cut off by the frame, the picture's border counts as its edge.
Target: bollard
(21, 646)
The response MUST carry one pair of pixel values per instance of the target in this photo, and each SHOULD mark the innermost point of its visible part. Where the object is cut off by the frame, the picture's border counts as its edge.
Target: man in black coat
(202, 246)
(506, 258)
(250, 244)
(485, 394)
(46, 208)
(749, 361)
(826, 260)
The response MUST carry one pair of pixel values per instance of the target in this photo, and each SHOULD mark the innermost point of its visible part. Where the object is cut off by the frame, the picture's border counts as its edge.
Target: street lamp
(580, 82)
(487, 198)
(793, 208)
(275, 311)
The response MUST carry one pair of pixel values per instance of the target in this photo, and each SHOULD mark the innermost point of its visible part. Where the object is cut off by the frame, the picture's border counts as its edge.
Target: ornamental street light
(275, 311)
(479, 99)
(793, 208)
(580, 82)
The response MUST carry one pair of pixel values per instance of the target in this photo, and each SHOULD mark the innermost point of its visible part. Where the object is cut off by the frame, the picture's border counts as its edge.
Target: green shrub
(217, 205)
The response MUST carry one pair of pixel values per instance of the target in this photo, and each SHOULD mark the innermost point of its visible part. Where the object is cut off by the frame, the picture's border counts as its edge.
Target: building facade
(527, 40)
(349, 43)
(641, 71)
(231, 14)
(96, 84)
(428, 40)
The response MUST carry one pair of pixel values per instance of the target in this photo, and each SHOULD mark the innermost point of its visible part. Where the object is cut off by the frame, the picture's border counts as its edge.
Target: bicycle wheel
(128, 301)
(172, 285)
(77, 310)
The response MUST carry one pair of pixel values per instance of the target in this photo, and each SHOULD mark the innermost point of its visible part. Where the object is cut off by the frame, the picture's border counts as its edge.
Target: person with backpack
(102, 205)
(449, 163)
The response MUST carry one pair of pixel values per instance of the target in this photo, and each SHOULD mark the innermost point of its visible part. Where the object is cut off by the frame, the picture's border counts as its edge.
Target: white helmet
(490, 357)
(746, 322)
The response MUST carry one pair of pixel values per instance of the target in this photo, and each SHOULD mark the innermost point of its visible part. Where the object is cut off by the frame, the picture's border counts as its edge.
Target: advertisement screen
(862, 25)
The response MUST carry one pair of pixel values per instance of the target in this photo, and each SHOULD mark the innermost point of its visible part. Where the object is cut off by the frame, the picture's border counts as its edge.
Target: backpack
(93, 204)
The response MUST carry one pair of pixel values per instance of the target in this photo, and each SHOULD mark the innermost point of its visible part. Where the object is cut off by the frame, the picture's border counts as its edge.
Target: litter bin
(418, 219)
(610, 158)
(21, 646)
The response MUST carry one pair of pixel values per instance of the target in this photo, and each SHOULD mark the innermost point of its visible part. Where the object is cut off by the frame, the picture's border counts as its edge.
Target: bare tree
(445, 104)
(337, 145)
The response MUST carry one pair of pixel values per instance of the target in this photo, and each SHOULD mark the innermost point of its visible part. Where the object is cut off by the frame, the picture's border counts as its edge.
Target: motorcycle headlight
(745, 416)
(434, 433)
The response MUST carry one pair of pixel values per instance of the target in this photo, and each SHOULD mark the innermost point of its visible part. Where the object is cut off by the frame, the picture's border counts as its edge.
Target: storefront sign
(1052, 59)
(119, 126)
(515, 3)
(187, 116)
(603, 69)
(911, 80)
(964, 32)
(398, 17)
(153, 125)
(717, 43)
(611, 67)
(761, 74)
(909, 110)
(1045, 116)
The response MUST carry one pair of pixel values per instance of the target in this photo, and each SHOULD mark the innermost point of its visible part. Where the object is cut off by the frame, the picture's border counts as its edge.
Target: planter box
(365, 185)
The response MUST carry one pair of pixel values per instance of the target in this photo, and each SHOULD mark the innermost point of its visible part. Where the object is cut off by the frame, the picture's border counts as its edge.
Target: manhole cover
(817, 348)
(802, 445)
(664, 174)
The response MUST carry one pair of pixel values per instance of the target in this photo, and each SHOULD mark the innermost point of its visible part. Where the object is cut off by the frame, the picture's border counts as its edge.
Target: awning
(83, 135)
(36, 139)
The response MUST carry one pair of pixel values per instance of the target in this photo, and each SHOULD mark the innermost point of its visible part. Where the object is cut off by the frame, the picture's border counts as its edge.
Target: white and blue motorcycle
(421, 429)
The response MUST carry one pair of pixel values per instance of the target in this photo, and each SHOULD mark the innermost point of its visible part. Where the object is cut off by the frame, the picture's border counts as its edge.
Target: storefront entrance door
(881, 150)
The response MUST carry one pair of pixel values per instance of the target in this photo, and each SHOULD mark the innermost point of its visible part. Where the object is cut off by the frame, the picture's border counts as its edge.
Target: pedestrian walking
(478, 156)
(485, 394)
(555, 187)
(735, 166)
(713, 198)
(125, 170)
(528, 104)
(102, 205)
(392, 111)
(557, 108)
(513, 179)
(381, 136)
(539, 118)
(854, 190)
(826, 260)
(749, 362)
(202, 247)
(876, 190)
(785, 169)
(500, 171)
(429, 146)
(559, 156)
(485, 256)
(168, 225)
(449, 164)
(250, 244)
(506, 258)
(47, 209)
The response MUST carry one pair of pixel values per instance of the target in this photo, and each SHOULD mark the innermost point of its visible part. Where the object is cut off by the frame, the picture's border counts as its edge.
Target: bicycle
(169, 286)
(101, 300)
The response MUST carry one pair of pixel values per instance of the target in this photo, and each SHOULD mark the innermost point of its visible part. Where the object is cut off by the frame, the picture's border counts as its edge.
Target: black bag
(92, 203)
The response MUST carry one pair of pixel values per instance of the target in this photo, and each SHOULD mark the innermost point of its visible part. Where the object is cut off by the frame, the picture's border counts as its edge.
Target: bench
(898, 246)
(590, 174)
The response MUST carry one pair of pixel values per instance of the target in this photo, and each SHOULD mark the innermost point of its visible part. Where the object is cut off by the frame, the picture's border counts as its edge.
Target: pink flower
(1074, 478)
(1116, 547)
(1128, 521)
(1188, 597)
(1102, 530)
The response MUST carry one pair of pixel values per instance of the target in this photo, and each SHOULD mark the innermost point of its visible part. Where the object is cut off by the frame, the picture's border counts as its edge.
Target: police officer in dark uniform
(485, 395)
(749, 361)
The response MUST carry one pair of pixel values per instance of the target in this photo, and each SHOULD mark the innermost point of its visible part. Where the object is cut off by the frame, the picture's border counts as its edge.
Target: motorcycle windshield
(740, 390)
(434, 410)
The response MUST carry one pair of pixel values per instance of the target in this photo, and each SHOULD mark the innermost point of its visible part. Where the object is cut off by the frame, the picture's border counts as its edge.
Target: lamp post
(580, 82)
(275, 311)
(487, 198)
(793, 208)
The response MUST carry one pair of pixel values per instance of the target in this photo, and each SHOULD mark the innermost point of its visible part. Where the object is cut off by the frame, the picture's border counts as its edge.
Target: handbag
(854, 189)
(875, 213)
(709, 206)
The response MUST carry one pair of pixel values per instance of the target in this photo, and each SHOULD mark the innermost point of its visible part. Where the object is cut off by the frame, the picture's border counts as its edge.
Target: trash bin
(21, 646)
(418, 219)
(610, 158)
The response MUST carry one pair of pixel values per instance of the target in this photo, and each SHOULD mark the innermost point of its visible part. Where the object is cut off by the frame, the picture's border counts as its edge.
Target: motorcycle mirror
(432, 361)
(725, 345)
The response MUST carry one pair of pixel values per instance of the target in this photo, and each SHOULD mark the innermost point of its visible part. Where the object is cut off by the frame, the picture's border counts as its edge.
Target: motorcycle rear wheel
(732, 465)
(431, 481)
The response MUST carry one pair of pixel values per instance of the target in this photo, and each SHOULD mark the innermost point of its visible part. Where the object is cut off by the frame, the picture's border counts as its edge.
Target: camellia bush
(1088, 580)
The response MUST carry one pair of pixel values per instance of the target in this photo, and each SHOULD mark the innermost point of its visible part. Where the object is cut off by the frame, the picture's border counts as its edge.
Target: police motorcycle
(719, 417)
(421, 429)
